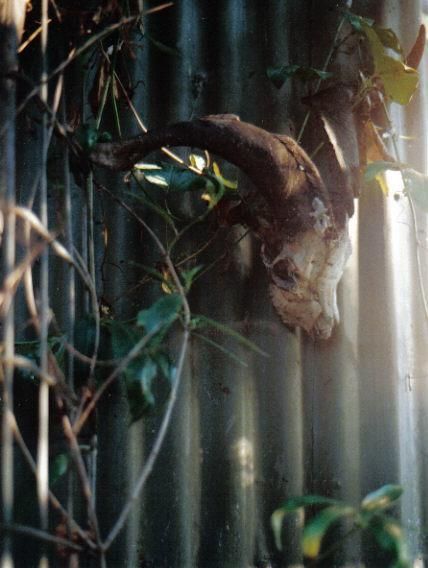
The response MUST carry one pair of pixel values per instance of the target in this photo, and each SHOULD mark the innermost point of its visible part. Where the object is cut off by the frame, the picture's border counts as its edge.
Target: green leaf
(165, 366)
(315, 530)
(198, 162)
(389, 39)
(278, 75)
(145, 377)
(390, 537)
(161, 314)
(189, 276)
(399, 80)
(375, 172)
(173, 178)
(276, 521)
(293, 505)
(357, 22)
(200, 322)
(375, 168)
(87, 135)
(381, 498)
(226, 182)
(58, 467)
(139, 377)
(417, 187)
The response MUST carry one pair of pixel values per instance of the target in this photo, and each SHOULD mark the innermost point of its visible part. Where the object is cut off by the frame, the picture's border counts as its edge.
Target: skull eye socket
(284, 274)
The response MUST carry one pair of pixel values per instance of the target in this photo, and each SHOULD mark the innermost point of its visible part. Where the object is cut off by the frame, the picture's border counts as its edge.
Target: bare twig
(330, 54)
(53, 499)
(75, 53)
(41, 535)
(82, 473)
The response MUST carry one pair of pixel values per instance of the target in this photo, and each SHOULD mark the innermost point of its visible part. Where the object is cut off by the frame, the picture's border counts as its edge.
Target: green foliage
(161, 314)
(31, 351)
(316, 529)
(58, 467)
(278, 75)
(171, 178)
(178, 179)
(381, 498)
(398, 79)
(88, 135)
(374, 169)
(141, 374)
(370, 517)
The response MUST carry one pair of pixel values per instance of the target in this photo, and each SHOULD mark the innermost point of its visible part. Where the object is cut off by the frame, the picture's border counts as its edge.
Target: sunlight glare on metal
(394, 181)
(243, 450)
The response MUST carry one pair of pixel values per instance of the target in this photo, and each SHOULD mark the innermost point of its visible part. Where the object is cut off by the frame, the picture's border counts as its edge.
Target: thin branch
(41, 535)
(75, 53)
(330, 54)
(83, 475)
(53, 499)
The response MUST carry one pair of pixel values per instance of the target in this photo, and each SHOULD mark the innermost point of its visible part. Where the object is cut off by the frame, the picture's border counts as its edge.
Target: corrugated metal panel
(334, 418)
(339, 417)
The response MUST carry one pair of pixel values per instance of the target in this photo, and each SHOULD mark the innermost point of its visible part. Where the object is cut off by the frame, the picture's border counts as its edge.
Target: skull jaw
(312, 304)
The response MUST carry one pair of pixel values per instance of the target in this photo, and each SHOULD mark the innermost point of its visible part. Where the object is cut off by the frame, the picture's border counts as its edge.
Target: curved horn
(276, 164)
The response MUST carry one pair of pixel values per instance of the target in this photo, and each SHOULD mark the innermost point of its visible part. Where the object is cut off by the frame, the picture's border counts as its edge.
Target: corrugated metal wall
(339, 417)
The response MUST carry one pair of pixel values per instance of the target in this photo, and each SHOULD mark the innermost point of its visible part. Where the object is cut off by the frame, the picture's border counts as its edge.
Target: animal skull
(305, 241)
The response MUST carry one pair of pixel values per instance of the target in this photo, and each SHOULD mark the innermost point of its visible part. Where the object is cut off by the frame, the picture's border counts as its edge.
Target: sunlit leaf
(293, 505)
(376, 172)
(157, 179)
(226, 182)
(173, 178)
(161, 314)
(316, 529)
(276, 520)
(389, 39)
(214, 191)
(399, 80)
(146, 166)
(198, 162)
(278, 75)
(381, 498)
